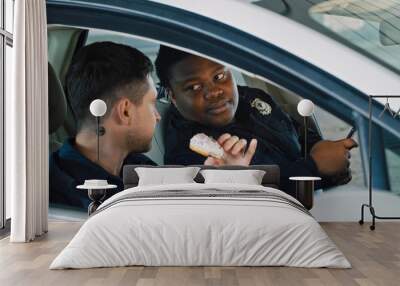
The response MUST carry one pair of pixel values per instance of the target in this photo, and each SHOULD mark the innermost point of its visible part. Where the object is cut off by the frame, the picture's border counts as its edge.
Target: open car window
(285, 98)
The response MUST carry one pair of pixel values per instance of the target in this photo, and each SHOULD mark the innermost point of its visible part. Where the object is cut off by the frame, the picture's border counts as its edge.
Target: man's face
(204, 91)
(145, 117)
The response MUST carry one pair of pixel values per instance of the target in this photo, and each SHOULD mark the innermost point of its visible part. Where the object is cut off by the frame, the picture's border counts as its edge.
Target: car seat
(158, 143)
(62, 44)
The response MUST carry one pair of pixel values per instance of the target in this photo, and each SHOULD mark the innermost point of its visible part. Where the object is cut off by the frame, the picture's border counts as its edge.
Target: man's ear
(124, 110)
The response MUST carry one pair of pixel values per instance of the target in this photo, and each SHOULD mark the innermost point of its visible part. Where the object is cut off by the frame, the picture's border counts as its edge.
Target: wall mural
(202, 117)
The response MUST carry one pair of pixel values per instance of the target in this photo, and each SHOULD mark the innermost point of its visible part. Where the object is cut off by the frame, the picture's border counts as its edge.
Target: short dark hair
(166, 58)
(100, 70)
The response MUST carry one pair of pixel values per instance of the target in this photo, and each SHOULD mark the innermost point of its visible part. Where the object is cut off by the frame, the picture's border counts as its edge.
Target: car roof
(312, 46)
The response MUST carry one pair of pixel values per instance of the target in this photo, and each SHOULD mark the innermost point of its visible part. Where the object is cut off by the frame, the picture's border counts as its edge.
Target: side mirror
(389, 33)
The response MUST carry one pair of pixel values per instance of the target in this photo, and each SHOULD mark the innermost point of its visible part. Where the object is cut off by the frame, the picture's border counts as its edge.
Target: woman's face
(204, 91)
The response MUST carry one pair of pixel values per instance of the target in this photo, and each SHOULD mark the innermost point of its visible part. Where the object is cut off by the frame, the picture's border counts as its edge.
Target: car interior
(64, 42)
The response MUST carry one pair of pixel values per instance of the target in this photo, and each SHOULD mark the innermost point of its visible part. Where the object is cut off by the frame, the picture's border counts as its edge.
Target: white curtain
(27, 124)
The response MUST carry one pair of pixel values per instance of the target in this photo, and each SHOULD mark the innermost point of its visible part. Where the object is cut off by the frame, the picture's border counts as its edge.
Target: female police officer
(206, 99)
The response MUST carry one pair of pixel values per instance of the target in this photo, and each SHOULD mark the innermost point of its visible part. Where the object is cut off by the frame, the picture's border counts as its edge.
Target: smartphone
(351, 132)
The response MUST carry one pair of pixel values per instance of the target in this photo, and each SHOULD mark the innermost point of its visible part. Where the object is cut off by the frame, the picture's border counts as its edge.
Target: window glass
(365, 34)
(8, 90)
(9, 9)
(367, 26)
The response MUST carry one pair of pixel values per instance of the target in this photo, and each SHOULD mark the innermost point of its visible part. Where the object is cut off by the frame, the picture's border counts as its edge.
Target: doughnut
(206, 146)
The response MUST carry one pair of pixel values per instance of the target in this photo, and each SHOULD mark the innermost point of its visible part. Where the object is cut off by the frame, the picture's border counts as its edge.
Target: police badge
(262, 107)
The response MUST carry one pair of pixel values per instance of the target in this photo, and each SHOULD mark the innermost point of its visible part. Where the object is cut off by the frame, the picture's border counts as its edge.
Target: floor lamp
(305, 184)
(97, 188)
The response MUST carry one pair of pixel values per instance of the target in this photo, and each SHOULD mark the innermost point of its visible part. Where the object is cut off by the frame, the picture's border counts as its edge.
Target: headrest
(57, 101)
(270, 179)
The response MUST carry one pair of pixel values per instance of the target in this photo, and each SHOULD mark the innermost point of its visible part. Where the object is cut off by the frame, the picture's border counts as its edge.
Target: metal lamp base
(97, 196)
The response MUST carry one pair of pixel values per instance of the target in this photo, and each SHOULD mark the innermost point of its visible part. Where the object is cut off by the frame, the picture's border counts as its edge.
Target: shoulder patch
(262, 107)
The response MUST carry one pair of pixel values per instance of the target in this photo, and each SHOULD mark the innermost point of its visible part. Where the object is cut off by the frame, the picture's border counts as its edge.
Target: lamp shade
(98, 107)
(305, 107)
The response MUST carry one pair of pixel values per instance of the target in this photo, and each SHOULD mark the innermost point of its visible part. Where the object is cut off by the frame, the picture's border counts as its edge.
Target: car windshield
(368, 26)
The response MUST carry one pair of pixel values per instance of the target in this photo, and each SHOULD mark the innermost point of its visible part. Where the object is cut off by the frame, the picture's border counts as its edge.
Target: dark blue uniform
(275, 131)
(69, 168)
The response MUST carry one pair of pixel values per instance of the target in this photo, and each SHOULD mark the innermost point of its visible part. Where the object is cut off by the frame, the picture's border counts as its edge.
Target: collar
(69, 152)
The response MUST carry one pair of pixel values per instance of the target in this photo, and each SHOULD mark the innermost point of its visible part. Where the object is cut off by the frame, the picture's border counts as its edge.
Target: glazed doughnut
(206, 146)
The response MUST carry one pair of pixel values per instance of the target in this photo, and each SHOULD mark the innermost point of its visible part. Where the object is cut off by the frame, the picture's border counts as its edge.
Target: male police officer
(120, 76)
(206, 99)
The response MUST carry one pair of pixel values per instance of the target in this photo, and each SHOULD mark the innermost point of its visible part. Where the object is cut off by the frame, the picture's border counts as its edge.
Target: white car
(336, 53)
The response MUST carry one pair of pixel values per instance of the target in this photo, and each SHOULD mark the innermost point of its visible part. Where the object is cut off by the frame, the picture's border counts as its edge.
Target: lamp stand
(98, 139)
(305, 137)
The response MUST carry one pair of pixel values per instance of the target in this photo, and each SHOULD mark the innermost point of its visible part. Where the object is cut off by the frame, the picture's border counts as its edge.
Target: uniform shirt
(69, 168)
(278, 140)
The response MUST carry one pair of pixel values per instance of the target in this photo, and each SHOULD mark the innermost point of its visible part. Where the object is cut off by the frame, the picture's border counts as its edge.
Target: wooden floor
(374, 255)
